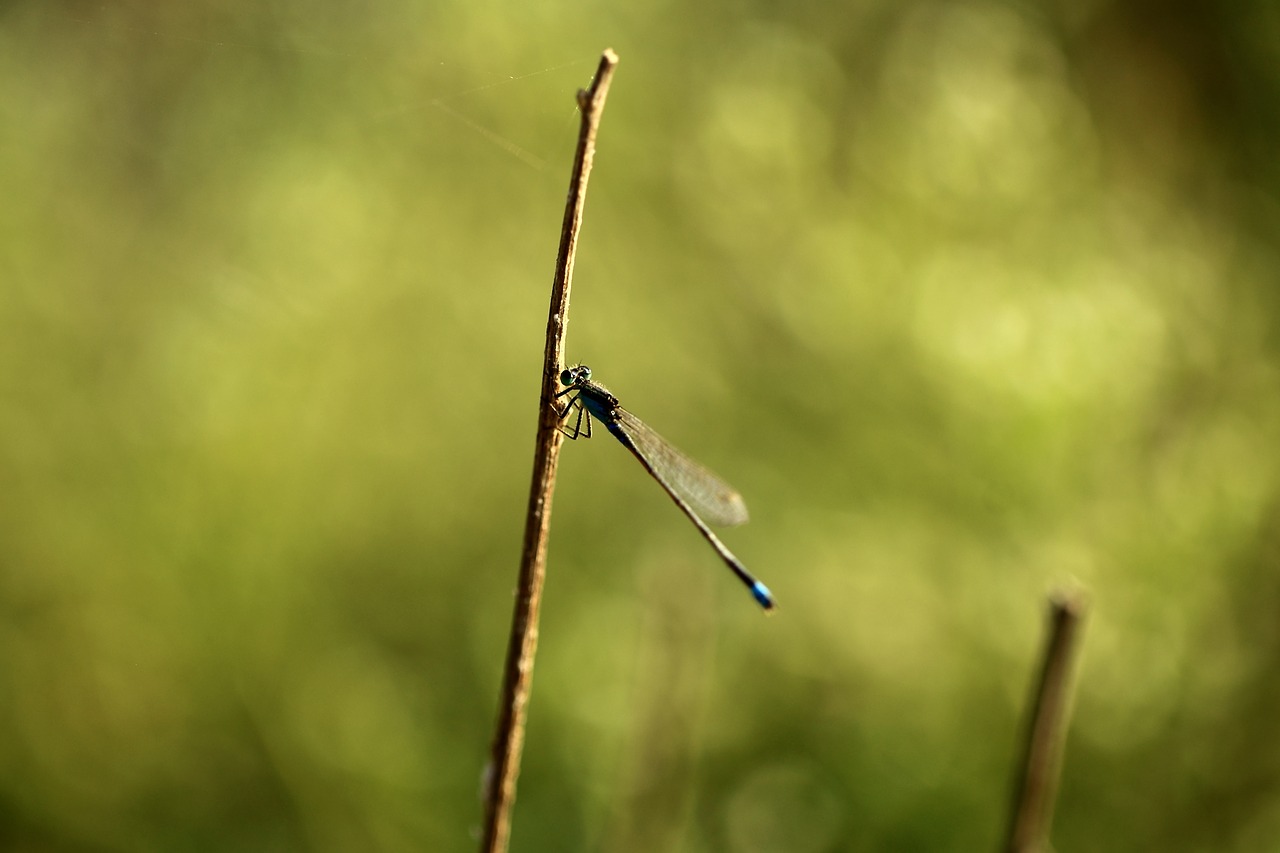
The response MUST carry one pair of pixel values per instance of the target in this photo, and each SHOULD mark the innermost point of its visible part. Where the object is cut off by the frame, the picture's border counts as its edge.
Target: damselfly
(697, 491)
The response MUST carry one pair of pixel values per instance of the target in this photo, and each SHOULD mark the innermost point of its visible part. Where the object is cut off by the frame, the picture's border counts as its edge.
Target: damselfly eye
(574, 375)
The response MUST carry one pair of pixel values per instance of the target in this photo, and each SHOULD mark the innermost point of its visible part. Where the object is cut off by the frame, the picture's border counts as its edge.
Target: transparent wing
(709, 496)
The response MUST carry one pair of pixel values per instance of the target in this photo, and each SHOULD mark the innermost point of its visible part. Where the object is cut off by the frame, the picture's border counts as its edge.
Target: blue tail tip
(762, 595)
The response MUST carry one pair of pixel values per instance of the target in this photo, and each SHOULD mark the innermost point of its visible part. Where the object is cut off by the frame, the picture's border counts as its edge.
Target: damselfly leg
(564, 414)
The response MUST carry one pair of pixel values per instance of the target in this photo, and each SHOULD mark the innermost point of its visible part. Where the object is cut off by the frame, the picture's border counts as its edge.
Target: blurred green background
(970, 300)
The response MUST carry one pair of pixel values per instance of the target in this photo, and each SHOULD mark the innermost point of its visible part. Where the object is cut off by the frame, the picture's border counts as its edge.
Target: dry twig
(504, 763)
(1032, 811)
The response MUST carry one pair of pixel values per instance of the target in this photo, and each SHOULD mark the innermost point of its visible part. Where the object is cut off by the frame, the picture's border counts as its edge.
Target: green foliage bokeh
(971, 301)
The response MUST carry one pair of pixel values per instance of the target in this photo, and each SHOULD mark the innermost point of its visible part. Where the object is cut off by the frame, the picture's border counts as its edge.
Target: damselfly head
(574, 375)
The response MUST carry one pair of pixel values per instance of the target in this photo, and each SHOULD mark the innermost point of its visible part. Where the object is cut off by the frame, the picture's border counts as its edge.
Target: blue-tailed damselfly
(697, 491)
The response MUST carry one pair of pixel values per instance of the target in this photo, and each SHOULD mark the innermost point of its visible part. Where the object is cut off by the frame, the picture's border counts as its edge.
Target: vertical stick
(1037, 786)
(508, 739)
